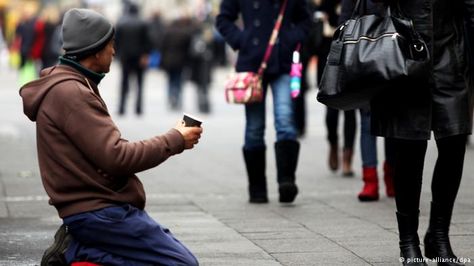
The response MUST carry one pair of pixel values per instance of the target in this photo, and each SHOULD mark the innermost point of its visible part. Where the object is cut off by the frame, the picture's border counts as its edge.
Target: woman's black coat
(442, 103)
(258, 17)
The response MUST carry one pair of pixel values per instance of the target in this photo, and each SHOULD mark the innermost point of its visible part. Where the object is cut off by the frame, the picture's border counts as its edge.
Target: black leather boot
(437, 245)
(286, 152)
(410, 253)
(255, 165)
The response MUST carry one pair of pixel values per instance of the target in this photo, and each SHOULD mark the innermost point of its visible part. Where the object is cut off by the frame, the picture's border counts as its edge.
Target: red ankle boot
(370, 191)
(388, 178)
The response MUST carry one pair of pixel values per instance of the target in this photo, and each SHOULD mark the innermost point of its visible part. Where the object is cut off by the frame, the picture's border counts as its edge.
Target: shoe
(54, 255)
(286, 153)
(255, 164)
(388, 178)
(288, 192)
(437, 244)
(333, 157)
(347, 162)
(410, 253)
(370, 191)
(258, 200)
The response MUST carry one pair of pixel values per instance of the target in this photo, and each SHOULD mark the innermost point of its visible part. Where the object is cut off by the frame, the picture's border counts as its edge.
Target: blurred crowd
(185, 45)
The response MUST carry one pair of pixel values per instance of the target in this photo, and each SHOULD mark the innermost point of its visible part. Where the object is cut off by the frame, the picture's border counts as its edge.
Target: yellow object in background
(14, 59)
(27, 73)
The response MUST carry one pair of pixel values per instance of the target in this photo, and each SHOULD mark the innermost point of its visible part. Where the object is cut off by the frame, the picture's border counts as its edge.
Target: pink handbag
(246, 87)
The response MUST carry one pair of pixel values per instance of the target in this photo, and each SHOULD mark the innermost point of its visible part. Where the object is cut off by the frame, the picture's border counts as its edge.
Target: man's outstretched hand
(191, 135)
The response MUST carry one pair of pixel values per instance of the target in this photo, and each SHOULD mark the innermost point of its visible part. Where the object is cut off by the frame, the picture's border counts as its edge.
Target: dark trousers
(332, 120)
(131, 67)
(123, 235)
(300, 101)
(409, 156)
(175, 83)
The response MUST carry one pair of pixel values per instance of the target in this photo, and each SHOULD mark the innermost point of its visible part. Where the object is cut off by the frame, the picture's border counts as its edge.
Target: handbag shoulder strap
(273, 38)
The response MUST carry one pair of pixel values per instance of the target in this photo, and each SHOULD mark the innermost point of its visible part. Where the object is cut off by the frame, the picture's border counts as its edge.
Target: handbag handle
(360, 8)
(273, 38)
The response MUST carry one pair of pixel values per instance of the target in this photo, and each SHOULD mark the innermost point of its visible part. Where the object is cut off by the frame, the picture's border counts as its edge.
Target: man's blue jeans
(283, 112)
(123, 235)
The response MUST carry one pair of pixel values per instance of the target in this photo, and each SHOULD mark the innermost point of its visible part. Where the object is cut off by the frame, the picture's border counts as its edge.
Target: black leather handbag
(369, 53)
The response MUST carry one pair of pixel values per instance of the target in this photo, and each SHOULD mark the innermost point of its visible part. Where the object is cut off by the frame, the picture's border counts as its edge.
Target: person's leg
(123, 235)
(124, 88)
(349, 136)
(203, 98)
(444, 187)
(409, 159)
(368, 142)
(300, 101)
(283, 110)
(388, 169)
(139, 103)
(174, 89)
(368, 150)
(332, 117)
(254, 151)
(286, 146)
(448, 170)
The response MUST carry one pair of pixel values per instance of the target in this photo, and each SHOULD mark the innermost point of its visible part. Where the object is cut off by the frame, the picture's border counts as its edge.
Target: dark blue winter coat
(251, 40)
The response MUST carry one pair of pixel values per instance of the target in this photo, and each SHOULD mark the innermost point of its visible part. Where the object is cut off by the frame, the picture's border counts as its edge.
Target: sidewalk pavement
(201, 194)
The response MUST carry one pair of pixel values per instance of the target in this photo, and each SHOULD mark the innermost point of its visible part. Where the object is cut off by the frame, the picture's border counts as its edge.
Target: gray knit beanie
(85, 32)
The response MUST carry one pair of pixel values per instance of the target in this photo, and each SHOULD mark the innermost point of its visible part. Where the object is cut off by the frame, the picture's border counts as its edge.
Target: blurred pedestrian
(133, 46)
(175, 56)
(156, 30)
(309, 49)
(201, 63)
(407, 115)
(3, 52)
(251, 41)
(30, 35)
(87, 168)
(52, 37)
(368, 142)
(368, 152)
(329, 15)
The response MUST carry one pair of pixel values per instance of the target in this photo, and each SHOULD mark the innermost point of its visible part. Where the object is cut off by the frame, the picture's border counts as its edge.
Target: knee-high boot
(286, 152)
(255, 164)
(436, 240)
(409, 241)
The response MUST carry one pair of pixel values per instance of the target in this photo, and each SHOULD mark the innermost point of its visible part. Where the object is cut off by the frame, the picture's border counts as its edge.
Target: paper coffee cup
(191, 121)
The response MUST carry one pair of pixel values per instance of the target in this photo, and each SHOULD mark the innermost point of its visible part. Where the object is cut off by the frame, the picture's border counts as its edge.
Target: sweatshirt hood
(33, 93)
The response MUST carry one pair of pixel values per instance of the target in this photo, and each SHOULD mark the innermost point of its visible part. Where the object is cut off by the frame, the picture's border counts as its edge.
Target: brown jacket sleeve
(91, 129)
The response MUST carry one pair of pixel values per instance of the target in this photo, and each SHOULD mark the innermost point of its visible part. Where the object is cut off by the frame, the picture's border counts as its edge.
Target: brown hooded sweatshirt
(84, 162)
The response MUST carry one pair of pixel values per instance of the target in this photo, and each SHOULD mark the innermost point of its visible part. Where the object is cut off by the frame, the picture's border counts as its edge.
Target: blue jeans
(368, 142)
(123, 235)
(283, 112)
